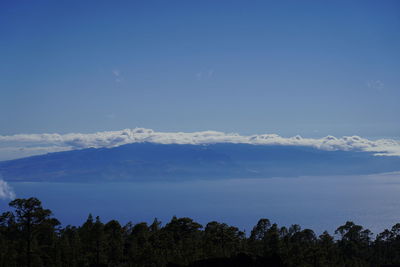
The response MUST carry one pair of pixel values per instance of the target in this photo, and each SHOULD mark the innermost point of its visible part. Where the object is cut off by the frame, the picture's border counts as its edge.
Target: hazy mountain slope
(148, 161)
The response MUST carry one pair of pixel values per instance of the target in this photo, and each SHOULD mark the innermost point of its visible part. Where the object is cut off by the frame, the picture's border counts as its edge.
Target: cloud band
(21, 145)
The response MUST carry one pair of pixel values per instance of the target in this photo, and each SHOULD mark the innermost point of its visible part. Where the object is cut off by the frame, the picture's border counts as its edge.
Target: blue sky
(312, 68)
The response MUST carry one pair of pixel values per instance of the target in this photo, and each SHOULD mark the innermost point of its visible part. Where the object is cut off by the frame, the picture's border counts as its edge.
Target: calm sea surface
(319, 203)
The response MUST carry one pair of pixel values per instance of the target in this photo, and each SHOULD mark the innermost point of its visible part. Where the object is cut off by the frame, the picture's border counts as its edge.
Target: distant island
(176, 162)
(31, 236)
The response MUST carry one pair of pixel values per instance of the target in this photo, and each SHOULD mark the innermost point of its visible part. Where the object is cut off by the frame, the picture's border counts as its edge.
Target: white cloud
(32, 144)
(6, 192)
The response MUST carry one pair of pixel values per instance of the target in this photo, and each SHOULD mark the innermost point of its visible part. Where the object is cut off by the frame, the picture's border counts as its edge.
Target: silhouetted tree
(354, 243)
(115, 242)
(222, 240)
(32, 220)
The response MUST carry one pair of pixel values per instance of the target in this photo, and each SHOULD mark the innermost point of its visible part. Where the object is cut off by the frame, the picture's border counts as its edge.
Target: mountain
(171, 162)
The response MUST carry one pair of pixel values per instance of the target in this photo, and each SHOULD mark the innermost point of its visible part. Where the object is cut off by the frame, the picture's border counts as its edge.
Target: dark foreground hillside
(31, 236)
(149, 162)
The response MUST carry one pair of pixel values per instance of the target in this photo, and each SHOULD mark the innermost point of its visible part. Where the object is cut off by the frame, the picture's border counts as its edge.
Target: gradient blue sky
(288, 67)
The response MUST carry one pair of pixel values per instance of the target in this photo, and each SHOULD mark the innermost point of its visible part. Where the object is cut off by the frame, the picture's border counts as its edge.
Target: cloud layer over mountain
(22, 145)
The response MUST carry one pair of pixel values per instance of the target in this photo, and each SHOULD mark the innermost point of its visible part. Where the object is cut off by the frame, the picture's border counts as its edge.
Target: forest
(31, 236)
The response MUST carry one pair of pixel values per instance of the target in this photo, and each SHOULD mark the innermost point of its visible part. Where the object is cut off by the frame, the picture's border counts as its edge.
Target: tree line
(30, 236)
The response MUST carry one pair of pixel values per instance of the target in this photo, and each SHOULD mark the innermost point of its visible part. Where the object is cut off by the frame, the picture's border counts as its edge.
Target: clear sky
(288, 67)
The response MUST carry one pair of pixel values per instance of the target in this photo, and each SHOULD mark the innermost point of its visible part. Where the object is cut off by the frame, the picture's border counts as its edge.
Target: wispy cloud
(110, 116)
(117, 75)
(205, 74)
(375, 84)
(24, 144)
